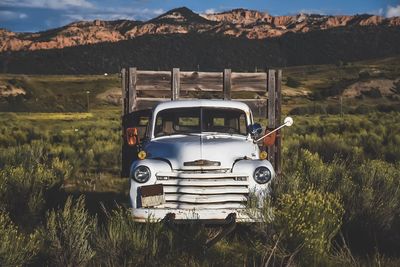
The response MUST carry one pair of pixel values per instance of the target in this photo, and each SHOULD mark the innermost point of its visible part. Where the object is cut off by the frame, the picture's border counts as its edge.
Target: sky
(39, 15)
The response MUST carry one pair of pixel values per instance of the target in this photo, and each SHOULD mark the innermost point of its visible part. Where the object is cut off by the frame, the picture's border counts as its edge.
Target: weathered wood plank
(271, 112)
(227, 84)
(157, 80)
(175, 84)
(278, 88)
(132, 90)
(254, 82)
(123, 91)
(201, 81)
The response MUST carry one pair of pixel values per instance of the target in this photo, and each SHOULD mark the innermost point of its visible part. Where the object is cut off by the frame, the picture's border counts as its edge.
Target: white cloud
(393, 11)
(210, 11)
(10, 15)
(156, 11)
(113, 14)
(312, 11)
(51, 4)
(94, 16)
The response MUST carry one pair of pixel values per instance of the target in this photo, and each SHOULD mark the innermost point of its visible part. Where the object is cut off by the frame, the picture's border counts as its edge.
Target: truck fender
(155, 166)
(248, 166)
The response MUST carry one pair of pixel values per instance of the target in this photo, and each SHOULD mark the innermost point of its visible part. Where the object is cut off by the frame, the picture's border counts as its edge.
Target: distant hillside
(365, 86)
(209, 52)
(250, 24)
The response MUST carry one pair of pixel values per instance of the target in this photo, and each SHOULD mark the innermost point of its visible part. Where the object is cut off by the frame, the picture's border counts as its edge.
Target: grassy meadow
(337, 203)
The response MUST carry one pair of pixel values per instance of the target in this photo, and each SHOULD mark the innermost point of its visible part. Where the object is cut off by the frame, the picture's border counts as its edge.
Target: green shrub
(70, 232)
(292, 82)
(308, 109)
(377, 195)
(373, 93)
(24, 190)
(123, 242)
(396, 87)
(364, 75)
(16, 248)
(309, 220)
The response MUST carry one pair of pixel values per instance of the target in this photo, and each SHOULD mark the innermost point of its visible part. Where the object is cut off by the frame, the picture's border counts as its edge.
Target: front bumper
(205, 215)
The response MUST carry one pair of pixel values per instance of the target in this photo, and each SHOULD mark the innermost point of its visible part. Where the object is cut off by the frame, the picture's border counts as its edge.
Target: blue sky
(36, 15)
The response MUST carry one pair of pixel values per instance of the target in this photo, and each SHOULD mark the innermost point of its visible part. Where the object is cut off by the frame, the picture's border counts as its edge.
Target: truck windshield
(200, 119)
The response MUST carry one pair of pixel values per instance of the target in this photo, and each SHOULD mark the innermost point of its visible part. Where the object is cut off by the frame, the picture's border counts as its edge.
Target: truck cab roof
(202, 103)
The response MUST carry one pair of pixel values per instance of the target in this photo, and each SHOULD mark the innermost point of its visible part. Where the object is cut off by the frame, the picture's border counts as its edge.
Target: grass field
(343, 171)
(62, 202)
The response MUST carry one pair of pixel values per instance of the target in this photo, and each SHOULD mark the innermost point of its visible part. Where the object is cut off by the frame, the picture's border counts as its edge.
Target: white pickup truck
(195, 160)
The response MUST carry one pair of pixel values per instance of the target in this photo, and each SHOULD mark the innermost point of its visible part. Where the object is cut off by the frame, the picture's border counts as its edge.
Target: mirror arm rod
(265, 135)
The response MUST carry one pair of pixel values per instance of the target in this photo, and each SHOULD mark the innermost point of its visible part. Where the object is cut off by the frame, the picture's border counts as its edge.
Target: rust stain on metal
(151, 190)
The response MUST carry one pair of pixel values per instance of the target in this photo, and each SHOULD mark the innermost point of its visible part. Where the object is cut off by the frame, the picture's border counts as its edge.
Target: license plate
(152, 195)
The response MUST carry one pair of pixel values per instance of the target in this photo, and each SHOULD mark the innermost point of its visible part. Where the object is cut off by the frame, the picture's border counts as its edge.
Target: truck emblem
(202, 162)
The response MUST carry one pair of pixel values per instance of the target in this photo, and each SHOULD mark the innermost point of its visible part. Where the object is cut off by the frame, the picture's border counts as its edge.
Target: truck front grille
(190, 190)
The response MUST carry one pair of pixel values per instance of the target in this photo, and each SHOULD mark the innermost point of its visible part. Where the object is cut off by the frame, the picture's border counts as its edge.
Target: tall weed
(70, 234)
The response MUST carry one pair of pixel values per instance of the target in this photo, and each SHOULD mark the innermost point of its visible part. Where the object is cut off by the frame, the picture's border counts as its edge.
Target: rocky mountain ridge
(241, 23)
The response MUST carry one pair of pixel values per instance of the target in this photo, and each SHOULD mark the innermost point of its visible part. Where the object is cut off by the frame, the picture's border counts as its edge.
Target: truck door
(133, 123)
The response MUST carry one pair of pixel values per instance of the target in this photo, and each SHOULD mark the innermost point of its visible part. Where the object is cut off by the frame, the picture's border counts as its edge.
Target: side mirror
(132, 137)
(255, 129)
(288, 121)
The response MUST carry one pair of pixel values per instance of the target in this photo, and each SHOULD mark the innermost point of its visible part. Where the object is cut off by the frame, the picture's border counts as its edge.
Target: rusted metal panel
(152, 195)
(151, 190)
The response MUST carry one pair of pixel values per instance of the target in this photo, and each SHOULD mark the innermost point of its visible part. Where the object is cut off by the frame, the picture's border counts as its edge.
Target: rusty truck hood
(190, 149)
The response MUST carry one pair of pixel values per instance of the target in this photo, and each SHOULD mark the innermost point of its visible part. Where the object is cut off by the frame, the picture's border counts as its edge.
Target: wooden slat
(250, 82)
(227, 84)
(278, 151)
(123, 90)
(201, 81)
(132, 90)
(153, 80)
(194, 81)
(175, 84)
(271, 111)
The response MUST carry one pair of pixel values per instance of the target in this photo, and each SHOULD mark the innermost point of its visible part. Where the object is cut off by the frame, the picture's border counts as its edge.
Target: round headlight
(141, 174)
(262, 175)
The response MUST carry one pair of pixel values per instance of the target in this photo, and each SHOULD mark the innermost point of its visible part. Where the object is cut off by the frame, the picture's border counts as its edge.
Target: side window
(142, 126)
(242, 124)
(138, 119)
